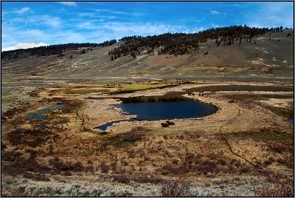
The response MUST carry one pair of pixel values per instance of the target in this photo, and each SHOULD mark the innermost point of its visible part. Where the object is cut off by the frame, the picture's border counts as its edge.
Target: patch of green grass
(136, 87)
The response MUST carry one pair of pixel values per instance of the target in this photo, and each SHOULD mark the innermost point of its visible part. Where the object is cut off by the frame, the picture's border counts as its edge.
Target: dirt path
(83, 117)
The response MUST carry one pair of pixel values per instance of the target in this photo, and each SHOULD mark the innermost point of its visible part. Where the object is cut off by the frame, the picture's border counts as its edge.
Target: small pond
(168, 110)
(161, 108)
(42, 116)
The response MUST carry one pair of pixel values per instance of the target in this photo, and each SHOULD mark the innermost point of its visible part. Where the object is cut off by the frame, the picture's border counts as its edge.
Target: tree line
(51, 50)
(167, 43)
(181, 43)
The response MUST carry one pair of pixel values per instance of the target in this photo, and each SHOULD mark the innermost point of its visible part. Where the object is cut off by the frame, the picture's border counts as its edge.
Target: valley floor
(50, 145)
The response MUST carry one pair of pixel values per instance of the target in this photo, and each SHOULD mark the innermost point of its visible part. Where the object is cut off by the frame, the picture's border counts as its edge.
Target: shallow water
(39, 115)
(42, 115)
(105, 126)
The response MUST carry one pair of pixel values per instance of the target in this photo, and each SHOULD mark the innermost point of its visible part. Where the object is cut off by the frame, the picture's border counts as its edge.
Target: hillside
(225, 52)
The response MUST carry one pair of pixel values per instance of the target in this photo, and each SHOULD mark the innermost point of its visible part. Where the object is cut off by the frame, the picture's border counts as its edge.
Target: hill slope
(268, 54)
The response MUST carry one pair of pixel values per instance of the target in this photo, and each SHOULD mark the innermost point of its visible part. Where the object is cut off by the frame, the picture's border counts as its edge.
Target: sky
(33, 24)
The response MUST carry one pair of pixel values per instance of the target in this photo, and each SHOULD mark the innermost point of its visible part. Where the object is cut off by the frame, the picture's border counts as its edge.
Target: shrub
(147, 179)
(36, 176)
(167, 169)
(29, 137)
(71, 106)
(134, 134)
(280, 189)
(104, 168)
(279, 147)
(236, 163)
(245, 169)
(207, 166)
(175, 188)
(122, 178)
(122, 140)
(221, 162)
(269, 161)
(16, 164)
(59, 165)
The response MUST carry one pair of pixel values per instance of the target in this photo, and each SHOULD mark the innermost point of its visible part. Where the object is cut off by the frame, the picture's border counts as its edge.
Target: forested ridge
(181, 43)
(167, 43)
(52, 50)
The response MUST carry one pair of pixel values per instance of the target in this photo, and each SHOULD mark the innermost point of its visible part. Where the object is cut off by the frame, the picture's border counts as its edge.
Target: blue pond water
(164, 110)
(168, 110)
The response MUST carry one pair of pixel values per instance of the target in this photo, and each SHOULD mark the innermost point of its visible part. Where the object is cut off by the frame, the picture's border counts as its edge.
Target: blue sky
(30, 24)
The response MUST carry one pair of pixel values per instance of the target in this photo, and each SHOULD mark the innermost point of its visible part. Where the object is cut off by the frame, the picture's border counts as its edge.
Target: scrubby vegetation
(181, 160)
(175, 188)
(279, 189)
(124, 139)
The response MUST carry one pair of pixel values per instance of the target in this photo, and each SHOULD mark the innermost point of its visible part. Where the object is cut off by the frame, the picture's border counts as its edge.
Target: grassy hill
(258, 53)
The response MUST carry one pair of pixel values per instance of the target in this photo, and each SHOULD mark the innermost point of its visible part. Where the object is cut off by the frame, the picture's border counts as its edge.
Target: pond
(168, 110)
(161, 108)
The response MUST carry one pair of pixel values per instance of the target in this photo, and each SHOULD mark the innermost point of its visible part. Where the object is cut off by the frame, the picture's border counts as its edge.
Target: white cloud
(138, 28)
(113, 12)
(214, 25)
(22, 10)
(257, 25)
(122, 13)
(102, 10)
(24, 46)
(69, 3)
(215, 12)
(51, 21)
(86, 14)
(199, 29)
(271, 14)
(86, 25)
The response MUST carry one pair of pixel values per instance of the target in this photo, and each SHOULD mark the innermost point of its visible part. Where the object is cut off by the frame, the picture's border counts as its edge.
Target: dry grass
(31, 137)
(71, 106)
(85, 91)
(125, 139)
(279, 189)
(175, 188)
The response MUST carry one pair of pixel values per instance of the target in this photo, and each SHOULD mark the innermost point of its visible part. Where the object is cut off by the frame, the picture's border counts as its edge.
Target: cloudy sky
(30, 24)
